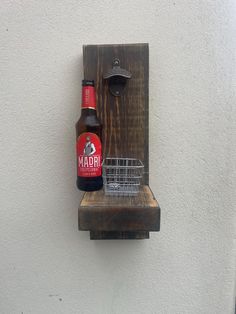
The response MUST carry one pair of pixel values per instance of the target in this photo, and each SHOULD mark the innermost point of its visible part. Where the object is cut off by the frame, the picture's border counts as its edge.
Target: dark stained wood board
(124, 118)
(99, 212)
(122, 235)
(125, 122)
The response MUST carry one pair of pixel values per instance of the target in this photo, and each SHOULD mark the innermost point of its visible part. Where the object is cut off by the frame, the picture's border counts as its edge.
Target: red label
(89, 155)
(88, 97)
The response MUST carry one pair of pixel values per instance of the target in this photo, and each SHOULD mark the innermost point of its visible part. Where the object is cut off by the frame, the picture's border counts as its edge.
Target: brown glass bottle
(88, 142)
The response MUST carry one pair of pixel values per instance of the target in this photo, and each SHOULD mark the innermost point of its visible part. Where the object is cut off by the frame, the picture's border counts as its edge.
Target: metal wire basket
(122, 176)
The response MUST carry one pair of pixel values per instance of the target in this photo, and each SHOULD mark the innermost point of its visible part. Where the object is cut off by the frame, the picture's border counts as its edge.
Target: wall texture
(47, 265)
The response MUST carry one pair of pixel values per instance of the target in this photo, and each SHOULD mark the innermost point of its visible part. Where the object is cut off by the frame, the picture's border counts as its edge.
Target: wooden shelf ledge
(119, 217)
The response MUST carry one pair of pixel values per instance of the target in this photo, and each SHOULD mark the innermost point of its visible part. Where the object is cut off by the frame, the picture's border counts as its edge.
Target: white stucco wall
(47, 265)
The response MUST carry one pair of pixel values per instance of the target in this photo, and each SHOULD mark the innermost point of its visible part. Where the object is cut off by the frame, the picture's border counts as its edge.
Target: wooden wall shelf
(117, 217)
(125, 122)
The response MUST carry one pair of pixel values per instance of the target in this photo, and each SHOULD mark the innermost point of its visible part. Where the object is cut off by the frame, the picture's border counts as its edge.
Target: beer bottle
(88, 142)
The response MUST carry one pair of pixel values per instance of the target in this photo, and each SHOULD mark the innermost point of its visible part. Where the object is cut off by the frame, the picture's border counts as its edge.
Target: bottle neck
(88, 112)
(88, 98)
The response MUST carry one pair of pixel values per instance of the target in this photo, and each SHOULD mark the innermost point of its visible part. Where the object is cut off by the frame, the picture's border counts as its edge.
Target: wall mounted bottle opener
(125, 121)
(117, 78)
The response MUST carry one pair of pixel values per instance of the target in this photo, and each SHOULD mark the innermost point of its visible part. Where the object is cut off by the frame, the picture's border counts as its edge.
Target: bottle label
(89, 155)
(88, 97)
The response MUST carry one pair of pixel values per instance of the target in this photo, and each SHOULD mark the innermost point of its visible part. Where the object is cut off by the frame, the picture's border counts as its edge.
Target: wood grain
(99, 199)
(125, 118)
(125, 134)
(114, 235)
(104, 213)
